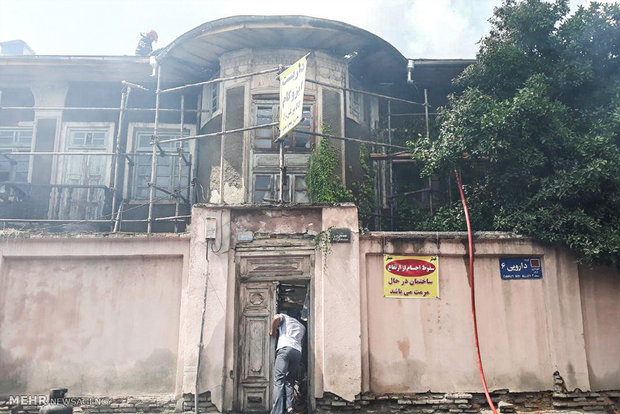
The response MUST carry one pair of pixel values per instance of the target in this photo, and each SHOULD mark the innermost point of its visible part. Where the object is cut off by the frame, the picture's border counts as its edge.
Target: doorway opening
(296, 296)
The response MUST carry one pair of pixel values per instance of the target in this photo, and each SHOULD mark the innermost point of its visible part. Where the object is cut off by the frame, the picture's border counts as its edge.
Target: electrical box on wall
(210, 228)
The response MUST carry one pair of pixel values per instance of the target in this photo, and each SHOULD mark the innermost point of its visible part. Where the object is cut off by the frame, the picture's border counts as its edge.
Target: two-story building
(97, 153)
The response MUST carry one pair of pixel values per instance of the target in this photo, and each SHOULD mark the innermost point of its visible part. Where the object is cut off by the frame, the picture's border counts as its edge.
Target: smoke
(418, 28)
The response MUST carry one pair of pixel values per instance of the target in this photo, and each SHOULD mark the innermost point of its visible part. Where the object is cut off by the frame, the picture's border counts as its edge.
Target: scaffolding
(184, 192)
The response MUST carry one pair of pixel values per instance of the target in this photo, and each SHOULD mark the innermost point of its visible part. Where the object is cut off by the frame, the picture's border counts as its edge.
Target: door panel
(258, 302)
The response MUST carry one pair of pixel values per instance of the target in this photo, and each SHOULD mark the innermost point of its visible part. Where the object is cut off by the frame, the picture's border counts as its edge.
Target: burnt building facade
(78, 131)
(146, 243)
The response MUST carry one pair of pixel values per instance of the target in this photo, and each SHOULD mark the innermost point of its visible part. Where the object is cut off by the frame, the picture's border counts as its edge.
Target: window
(266, 113)
(82, 178)
(265, 162)
(87, 139)
(355, 108)
(267, 188)
(86, 169)
(168, 166)
(355, 101)
(211, 99)
(15, 167)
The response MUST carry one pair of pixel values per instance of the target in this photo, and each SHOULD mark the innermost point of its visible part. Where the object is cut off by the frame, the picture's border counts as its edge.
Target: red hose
(470, 242)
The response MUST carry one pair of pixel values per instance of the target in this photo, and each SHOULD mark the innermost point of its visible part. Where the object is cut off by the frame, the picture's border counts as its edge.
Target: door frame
(304, 274)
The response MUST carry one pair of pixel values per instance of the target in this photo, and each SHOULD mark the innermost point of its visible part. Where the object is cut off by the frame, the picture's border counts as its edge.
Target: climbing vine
(364, 190)
(323, 243)
(324, 184)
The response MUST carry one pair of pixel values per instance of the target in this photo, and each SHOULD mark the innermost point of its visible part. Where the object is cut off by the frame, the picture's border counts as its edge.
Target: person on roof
(145, 45)
(288, 355)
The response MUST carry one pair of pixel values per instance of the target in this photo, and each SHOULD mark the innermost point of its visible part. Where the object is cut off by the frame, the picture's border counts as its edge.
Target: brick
(561, 395)
(458, 396)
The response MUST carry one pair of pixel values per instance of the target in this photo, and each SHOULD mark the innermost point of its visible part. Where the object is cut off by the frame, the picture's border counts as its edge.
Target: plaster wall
(209, 268)
(99, 316)
(336, 356)
(600, 294)
(338, 315)
(527, 328)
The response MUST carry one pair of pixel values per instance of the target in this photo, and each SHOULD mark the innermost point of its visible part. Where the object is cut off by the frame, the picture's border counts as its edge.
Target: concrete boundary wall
(98, 314)
(566, 322)
(120, 315)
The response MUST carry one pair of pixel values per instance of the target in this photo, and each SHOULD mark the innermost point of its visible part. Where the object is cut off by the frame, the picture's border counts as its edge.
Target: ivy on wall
(324, 183)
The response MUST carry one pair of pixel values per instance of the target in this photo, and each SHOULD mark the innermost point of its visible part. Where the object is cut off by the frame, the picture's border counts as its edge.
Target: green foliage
(535, 131)
(364, 190)
(324, 184)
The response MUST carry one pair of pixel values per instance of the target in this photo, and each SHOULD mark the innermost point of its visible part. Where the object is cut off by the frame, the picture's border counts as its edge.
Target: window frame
(354, 99)
(292, 178)
(16, 148)
(133, 130)
(268, 100)
(207, 105)
(62, 146)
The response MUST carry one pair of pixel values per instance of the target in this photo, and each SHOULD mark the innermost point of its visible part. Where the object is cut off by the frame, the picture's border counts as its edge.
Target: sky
(418, 28)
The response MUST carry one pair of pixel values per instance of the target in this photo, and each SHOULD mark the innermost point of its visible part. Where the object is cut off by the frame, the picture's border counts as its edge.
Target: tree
(535, 128)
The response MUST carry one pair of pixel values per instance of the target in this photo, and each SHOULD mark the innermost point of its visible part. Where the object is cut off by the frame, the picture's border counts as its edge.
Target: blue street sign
(513, 268)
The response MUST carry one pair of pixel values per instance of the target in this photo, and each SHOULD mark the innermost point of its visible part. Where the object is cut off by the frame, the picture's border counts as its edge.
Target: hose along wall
(470, 243)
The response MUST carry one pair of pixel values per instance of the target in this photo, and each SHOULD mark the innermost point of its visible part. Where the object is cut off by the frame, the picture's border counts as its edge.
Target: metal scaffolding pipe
(216, 134)
(430, 179)
(175, 218)
(362, 141)
(68, 153)
(391, 199)
(154, 144)
(245, 75)
(179, 149)
(87, 108)
(377, 95)
(416, 114)
(116, 160)
(135, 85)
(85, 221)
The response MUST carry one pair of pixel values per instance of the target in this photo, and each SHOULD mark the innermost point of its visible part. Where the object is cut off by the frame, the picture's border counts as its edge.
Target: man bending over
(288, 355)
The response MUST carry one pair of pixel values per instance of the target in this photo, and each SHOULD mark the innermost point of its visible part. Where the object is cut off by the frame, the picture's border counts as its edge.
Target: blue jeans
(285, 373)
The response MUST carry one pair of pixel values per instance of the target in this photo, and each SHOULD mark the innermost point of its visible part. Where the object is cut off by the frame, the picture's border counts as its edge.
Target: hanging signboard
(516, 268)
(410, 276)
(292, 83)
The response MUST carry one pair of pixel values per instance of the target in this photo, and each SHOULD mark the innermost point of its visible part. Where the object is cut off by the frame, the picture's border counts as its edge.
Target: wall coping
(11, 234)
(442, 235)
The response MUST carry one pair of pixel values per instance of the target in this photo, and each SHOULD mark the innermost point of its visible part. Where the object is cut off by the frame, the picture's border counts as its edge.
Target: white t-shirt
(291, 332)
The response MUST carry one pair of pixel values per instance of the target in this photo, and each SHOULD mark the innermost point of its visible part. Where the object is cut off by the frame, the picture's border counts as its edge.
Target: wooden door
(256, 347)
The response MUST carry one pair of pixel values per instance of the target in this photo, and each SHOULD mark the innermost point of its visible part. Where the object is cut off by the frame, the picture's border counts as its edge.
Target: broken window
(172, 171)
(265, 166)
(266, 113)
(355, 101)
(211, 99)
(267, 186)
(15, 168)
